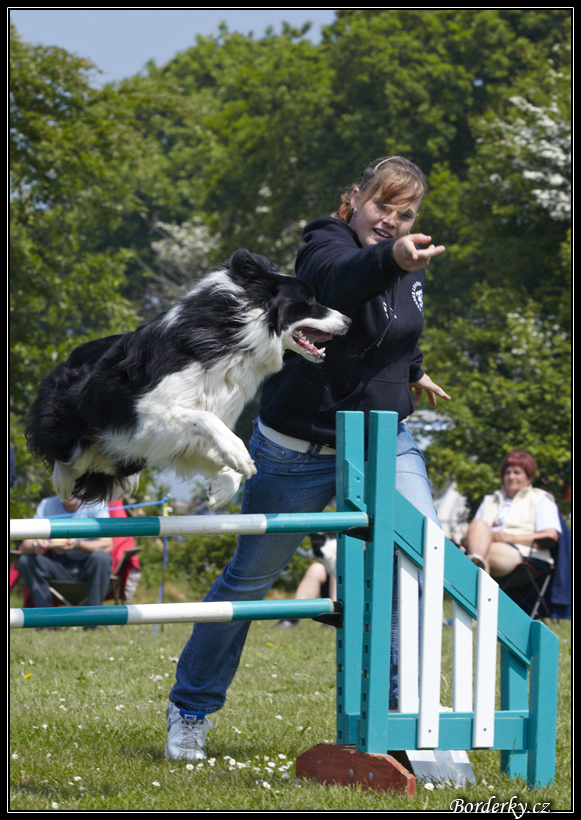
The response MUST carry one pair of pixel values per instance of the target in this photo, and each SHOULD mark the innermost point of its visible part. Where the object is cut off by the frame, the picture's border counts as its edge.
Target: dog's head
(293, 313)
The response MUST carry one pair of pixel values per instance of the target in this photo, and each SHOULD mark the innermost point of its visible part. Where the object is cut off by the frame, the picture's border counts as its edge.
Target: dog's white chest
(222, 390)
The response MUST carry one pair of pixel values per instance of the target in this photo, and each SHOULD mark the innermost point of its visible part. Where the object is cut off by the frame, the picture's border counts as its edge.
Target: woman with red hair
(513, 519)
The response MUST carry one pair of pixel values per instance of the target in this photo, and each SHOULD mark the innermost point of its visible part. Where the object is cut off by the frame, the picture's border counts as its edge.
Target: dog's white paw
(237, 458)
(223, 488)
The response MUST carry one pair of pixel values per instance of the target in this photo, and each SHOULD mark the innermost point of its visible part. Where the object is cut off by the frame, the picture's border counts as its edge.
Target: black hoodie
(369, 368)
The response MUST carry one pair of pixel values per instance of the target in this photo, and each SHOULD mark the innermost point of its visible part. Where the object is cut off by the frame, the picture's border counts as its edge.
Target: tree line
(121, 196)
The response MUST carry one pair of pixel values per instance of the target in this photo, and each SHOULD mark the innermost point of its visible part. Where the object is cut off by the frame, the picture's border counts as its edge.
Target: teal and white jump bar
(186, 525)
(212, 612)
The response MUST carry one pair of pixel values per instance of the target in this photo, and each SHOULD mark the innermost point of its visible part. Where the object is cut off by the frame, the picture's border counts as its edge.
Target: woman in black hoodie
(365, 262)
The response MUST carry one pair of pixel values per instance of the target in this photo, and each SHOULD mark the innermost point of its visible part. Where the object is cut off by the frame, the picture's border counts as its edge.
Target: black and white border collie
(169, 394)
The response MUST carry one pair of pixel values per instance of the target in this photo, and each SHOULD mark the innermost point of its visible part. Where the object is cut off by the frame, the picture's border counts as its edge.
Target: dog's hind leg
(124, 486)
(63, 478)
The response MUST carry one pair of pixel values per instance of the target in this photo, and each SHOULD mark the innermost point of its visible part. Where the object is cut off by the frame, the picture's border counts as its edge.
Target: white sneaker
(187, 733)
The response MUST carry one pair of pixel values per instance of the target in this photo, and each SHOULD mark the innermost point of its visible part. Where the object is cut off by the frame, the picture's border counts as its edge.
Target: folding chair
(529, 584)
(74, 593)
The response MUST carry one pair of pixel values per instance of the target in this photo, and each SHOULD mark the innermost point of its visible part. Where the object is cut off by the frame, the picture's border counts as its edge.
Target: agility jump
(374, 520)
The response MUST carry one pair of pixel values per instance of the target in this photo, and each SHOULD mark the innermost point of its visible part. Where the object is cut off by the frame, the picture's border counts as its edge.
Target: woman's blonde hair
(388, 178)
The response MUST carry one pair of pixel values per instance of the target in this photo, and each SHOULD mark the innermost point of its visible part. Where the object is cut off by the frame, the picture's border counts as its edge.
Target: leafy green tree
(519, 190)
(507, 368)
(499, 304)
(66, 147)
(262, 108)
(67, 143)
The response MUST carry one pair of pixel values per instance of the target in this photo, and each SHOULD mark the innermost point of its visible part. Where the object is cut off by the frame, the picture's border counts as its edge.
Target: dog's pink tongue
(313, 335)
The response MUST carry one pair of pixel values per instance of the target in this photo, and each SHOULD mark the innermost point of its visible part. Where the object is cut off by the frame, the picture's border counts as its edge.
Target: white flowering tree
(532, 147)
(519, 184)
(181, 256)
(543, 139)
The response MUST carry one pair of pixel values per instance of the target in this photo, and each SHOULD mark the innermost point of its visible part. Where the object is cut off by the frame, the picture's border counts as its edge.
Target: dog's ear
(249, 265)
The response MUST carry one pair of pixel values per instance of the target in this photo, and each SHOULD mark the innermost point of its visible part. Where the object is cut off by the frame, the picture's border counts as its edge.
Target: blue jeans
(38, 570)
(286, 481)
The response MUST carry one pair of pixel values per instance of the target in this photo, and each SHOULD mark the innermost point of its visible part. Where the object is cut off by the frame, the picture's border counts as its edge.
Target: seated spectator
(72, 559)
(320, 580)
(513, 520)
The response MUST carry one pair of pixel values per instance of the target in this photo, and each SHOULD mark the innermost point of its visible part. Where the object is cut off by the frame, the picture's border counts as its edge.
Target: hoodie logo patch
(418, 296)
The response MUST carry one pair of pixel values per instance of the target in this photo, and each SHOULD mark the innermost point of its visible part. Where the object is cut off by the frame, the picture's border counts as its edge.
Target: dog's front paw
(223, 488)
(238, 459)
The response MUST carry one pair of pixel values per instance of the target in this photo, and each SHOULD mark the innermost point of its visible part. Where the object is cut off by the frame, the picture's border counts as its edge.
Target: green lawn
(87, 727)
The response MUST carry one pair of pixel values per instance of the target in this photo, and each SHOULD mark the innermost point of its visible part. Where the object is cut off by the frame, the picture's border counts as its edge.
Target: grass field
(87, 727)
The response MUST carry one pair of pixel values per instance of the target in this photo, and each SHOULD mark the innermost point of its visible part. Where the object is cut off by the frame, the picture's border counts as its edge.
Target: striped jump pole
(186, 525)
(218, 612)
(180, 525)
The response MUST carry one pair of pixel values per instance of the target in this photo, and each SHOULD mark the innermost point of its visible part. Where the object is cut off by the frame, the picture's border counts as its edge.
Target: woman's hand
(410, 258)
(503, 537)
(431, 388)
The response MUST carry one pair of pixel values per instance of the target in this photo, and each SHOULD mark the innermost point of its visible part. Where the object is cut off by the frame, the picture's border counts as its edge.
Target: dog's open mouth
(305, 337)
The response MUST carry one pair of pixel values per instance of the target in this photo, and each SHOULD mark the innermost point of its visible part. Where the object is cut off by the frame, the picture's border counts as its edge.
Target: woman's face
(375, 220)
(514, 479)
